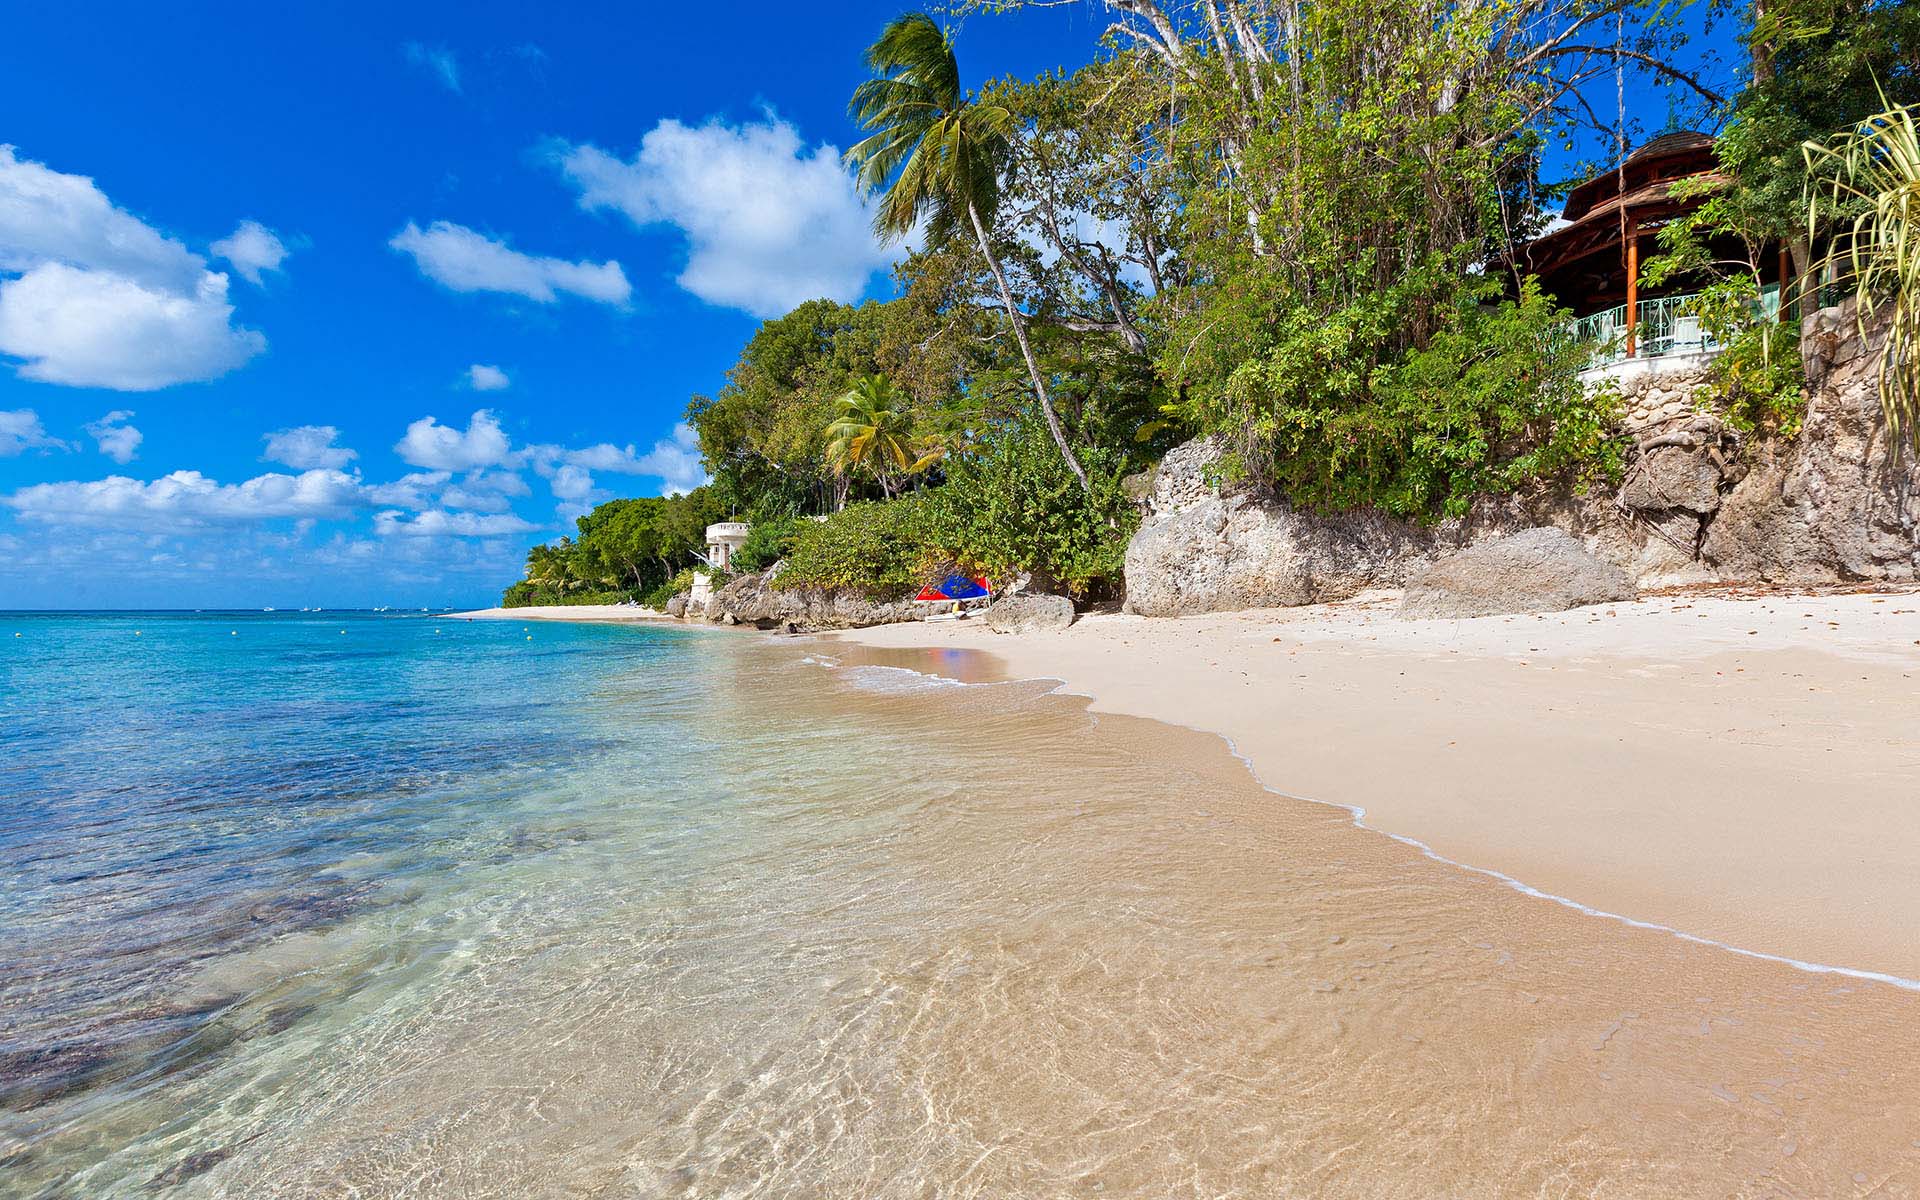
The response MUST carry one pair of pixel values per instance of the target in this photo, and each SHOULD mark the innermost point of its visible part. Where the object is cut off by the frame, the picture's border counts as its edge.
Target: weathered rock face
(759, 600)
(1536, 570)
(1207, 549)
(677, 606)
(1696, 505)
(1028, 611)
(1843, 501)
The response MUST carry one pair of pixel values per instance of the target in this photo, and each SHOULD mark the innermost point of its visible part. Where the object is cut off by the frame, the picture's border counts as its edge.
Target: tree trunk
(1026, 351)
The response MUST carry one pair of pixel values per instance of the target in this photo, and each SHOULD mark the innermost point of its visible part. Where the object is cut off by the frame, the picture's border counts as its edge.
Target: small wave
(897, 680)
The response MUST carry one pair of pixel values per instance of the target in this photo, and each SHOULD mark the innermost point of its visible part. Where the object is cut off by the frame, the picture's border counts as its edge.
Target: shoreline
(565, 612)
(1734, 770)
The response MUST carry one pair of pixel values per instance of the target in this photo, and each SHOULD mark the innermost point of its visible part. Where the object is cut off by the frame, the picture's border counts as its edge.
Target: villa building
(1591, 261)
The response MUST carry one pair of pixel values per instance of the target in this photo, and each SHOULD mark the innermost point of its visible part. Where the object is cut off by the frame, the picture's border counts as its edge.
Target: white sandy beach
(1744, 768)
(564, 612)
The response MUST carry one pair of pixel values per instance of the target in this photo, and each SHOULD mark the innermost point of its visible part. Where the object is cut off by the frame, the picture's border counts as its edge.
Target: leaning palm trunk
(1876, 165)
(1026, 352)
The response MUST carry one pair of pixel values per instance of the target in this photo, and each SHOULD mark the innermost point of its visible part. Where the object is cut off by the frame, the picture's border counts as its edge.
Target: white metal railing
(1667, 325)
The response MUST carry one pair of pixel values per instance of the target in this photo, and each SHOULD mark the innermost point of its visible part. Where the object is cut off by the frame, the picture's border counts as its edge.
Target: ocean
(383, 905)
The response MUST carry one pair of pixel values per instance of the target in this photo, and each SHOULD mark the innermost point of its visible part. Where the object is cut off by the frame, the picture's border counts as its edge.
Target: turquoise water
(381, 906)
(179, 790)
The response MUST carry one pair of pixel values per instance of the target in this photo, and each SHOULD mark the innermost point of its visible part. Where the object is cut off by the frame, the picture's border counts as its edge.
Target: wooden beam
(1633, 286)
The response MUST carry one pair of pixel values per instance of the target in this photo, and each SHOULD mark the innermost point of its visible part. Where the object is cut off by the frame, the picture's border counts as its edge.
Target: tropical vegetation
(1284, 224)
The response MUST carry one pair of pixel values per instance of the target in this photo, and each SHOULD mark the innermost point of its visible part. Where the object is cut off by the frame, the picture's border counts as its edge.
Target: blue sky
(299, 247)
(349, 304)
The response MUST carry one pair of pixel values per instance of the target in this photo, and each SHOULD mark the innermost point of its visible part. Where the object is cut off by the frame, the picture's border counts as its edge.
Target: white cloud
(437, 61)
(769, 223)
(96, 329)
(410, 491)
(443, 448)
(21, 431)
(186, 499)
(674, 460)
(572, 483)
(251, 248)
(49, 216)
(99, 298)
(307, 447)
(463, 260)
(437, 522)
(483, 378)
(117, 440)
(486, 491)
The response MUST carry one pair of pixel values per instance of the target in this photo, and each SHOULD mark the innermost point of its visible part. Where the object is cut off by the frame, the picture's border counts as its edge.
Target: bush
(658, 597)
(880, 549)
(1490, 402)
(1010, 504)
(768, 541)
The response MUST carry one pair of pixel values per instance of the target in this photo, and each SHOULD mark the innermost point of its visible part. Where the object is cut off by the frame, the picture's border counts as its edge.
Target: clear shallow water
(650, 912)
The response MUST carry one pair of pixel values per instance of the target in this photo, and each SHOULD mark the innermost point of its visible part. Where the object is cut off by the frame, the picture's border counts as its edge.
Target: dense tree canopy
(1286, 223)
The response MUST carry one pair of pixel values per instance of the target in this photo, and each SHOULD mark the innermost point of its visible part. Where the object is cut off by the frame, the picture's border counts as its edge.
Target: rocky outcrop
(1536, 570)
(1026, 612)
(1842, 501)
(759, 600)
(677, 606)
(1698, 504)
(1206, 548)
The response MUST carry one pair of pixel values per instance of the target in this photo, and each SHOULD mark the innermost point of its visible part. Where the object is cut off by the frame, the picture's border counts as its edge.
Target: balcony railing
(1666, 326)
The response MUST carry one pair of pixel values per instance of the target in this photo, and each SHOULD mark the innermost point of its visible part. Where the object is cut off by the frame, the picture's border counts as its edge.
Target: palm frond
(1876, 166)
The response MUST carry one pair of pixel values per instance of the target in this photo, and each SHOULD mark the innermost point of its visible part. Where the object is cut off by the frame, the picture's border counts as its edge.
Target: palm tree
(871, 431)
(1873, 170)
(945, 149)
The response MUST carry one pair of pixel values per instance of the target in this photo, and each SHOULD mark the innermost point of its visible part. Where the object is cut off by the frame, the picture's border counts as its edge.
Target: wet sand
(1741, 768)
(1011, 948)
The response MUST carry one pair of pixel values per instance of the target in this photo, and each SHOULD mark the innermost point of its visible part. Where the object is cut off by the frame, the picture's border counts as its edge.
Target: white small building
(724, 539)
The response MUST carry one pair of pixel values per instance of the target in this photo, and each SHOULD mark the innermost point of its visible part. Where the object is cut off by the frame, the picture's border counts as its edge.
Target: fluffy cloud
(485, 491)
(95, 329)
(117, 440)
(768, 222)
(440, 447)
(483, 378)
(252, 248)
(436, 522)
(308, 447)
(674, 460)
(21, 431)
(97, 297)
(186, 499)
(463, 260)
(437, 61)
(410, 491)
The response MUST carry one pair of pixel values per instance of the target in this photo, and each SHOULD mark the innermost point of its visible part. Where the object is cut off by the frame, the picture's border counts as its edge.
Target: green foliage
(1010, 504)
(622, 550)
(657, 598)
(1873, 169)
(1336, 419)
(1818, 66)
(881, 550)
(768, 541)
(872, 432)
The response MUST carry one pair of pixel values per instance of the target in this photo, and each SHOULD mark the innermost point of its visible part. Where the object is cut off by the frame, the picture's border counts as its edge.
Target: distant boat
(382, 608)
(266, 610)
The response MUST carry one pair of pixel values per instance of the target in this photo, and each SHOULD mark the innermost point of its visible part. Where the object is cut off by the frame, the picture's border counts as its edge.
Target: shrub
(657, 598)
(1490, 402)
(880, 549)
(768, 541)
(1010, 504)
